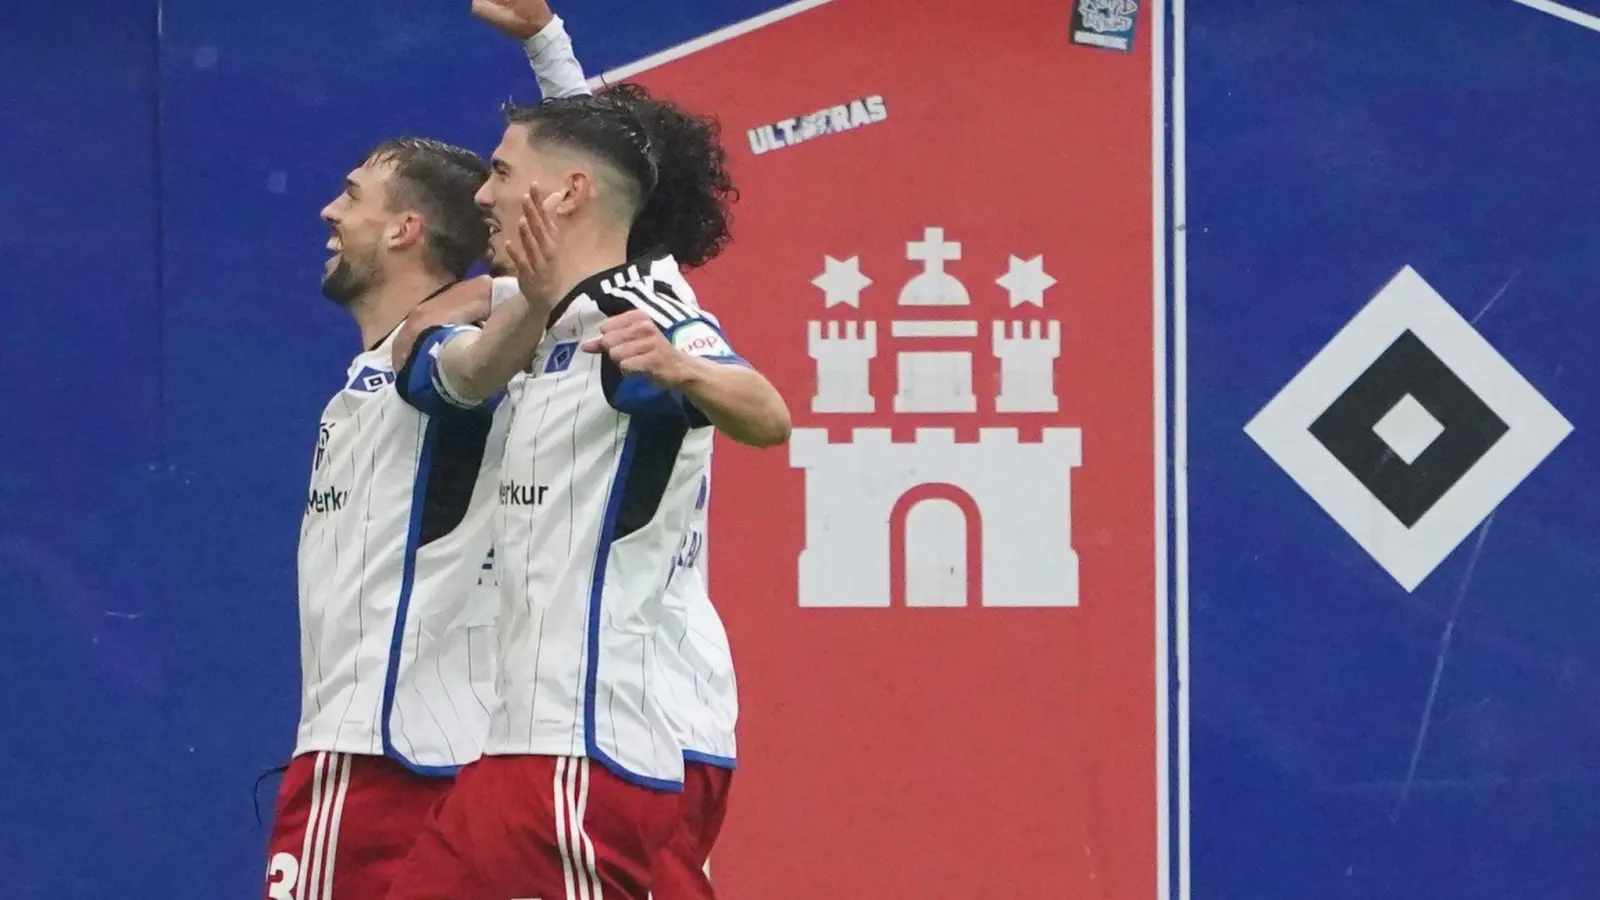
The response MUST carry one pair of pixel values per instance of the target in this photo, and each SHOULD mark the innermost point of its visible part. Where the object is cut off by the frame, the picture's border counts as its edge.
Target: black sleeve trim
(457, 458)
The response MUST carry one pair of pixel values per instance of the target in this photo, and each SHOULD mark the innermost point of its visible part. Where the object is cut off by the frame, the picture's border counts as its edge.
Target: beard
(499, 262)
(349, 280)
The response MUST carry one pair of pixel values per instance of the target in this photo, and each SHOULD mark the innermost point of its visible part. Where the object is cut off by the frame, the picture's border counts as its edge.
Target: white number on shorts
(282, 873)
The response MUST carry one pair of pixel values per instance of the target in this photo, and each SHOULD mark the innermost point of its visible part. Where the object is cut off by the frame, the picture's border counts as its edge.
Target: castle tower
(844, 355)
(854, 491)
(934, 381)
(1027, 352)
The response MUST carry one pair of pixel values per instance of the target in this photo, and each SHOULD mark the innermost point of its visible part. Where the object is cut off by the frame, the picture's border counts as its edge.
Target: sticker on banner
(1107, 24)
(843, 117)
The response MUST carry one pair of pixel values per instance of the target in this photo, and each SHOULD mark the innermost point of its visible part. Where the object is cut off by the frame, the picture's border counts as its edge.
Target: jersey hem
(301, 749)
(440, 771)
(665, 785)
(448, 771)
(708, 759)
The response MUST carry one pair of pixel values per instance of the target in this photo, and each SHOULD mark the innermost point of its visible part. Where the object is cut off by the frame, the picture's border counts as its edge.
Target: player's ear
(578, 189)
(405, 230)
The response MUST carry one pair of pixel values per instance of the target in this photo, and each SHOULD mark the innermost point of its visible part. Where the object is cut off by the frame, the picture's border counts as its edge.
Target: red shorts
(679, 870)
(344, 824)
(551, 827)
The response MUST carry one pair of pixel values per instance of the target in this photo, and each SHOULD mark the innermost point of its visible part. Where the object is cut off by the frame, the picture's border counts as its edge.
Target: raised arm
(544, 39)
(720, 387)
(549, 50)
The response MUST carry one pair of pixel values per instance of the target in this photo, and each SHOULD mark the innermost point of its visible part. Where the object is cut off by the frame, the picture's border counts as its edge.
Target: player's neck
(382, 309)
(584, 255)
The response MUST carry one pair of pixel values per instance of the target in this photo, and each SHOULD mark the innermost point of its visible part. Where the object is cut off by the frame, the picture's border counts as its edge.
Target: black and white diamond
(1408, 428)
(1408, 381)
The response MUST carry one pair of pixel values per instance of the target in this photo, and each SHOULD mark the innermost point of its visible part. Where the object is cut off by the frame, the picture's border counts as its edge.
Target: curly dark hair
(674, 160)
(688, 212)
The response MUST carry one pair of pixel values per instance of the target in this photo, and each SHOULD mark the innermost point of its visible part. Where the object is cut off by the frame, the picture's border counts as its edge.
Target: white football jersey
(701, 697)
(597, 492)
(700, 693)
(397, 646)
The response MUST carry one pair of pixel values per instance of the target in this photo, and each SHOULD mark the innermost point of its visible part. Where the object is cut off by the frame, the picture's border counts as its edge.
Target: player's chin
(498, 258)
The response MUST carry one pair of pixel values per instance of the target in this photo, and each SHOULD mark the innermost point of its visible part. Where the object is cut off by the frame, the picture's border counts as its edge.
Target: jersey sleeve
(554, 62)
(685, 326)
(703, 337)
(501, 289)
(422, 384)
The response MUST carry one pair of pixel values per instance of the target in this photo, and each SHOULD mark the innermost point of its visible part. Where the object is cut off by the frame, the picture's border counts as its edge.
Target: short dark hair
(674, 160)
(439, 181)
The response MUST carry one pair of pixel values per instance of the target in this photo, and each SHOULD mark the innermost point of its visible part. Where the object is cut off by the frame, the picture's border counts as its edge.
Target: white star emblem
(1026, 281)
(842, 281)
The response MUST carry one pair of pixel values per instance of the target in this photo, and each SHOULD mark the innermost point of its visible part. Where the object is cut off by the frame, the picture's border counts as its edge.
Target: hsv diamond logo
(369, 380)
(560, 357)
(1408, 428)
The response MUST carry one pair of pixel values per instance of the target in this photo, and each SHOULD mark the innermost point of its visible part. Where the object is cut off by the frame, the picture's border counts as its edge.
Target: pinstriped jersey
(700, 693)
(596, 495)
(397, 648)
(695, 664)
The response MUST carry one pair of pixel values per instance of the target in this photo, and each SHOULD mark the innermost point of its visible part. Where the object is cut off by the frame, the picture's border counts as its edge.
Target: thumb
(593, 345)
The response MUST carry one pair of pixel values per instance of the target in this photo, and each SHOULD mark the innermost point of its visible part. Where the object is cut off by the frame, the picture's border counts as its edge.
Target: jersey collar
(401, 324)
(592, 284)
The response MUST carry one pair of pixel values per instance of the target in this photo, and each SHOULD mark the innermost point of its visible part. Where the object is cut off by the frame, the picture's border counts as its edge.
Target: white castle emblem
(991, 519)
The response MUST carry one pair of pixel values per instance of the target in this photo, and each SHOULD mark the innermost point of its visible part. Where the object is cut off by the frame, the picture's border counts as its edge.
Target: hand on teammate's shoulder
(520, 19)
(462, 303)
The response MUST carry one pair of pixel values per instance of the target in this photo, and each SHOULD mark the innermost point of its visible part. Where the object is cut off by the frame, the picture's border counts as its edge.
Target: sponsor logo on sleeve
(698, 338)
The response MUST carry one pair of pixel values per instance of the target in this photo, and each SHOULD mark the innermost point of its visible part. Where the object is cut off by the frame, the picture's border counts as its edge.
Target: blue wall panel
(83, 650)
(1329, 147)
(167, 354)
